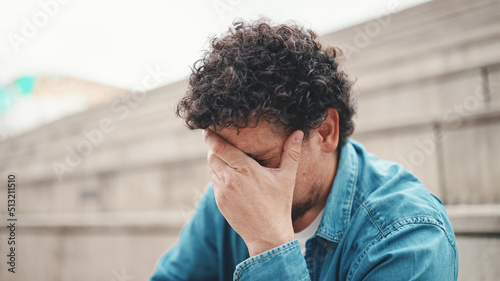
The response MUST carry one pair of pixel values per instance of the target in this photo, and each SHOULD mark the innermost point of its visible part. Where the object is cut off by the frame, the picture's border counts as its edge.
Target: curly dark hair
(279, 73)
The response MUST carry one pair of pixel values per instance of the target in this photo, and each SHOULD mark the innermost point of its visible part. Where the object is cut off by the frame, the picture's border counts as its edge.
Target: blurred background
(106, 175)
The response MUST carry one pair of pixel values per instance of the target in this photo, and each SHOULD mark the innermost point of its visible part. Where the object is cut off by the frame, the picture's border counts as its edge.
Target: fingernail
(299, 137)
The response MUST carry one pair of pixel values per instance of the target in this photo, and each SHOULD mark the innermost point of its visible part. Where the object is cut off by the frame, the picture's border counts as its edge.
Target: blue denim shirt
(379, 223)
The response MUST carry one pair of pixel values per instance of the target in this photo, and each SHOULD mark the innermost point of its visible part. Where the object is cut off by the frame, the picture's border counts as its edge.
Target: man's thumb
(291, 152)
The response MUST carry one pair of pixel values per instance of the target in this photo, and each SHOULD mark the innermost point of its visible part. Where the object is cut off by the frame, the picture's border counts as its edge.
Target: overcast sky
(113, 42)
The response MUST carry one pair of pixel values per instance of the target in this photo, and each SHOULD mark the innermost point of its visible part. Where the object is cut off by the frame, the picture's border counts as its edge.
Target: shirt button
(340, 236)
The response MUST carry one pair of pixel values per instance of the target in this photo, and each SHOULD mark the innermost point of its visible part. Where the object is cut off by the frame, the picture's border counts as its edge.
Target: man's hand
(256, 201)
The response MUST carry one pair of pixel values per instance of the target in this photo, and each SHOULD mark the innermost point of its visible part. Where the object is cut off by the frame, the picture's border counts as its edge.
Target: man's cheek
(301, 180)
(301, 172)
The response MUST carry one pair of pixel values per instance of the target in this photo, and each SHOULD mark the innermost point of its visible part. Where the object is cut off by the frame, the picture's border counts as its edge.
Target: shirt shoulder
(396, 222)
(392, 195)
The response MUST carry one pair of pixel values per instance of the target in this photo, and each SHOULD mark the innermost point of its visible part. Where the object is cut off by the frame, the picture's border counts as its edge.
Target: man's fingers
(291, 152)
(215, 163)
(231, 155)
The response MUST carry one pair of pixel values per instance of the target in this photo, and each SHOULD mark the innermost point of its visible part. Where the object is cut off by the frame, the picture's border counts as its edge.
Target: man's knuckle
(219, 147)
(213, 175)
(210, 159)
(230, 182)
(294, 155)
(242, 169)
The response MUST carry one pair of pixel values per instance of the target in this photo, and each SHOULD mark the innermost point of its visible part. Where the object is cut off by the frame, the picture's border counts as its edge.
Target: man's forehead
(255, 141)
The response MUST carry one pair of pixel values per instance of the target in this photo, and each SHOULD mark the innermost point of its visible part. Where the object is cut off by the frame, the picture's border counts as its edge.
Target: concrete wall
(117, 205)
(428, 85)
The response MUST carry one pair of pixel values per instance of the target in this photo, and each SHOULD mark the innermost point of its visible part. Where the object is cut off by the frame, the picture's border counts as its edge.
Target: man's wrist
(261, 246)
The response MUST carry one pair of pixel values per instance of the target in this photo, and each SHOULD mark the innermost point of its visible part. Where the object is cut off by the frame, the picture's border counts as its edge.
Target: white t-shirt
(308, 232)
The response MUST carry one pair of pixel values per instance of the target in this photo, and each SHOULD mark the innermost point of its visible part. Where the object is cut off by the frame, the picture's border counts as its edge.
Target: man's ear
(329, 132)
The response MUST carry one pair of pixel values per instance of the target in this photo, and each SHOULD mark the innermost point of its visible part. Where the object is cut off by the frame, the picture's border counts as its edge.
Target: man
(291, 196)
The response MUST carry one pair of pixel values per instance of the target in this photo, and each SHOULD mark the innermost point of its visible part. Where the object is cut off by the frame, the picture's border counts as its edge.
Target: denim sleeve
(194, 257)
(412, 250)
(284, 262)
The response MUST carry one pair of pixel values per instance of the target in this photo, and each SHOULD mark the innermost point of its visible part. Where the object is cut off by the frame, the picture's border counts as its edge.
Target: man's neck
(304, 221)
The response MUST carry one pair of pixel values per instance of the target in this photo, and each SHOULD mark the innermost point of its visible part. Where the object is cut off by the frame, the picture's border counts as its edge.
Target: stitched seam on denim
(450, 240)
(246, 266)
(353, 186)
(412, 220)
(250, 264)
(455, 252)
(371, 215)
(434, 204)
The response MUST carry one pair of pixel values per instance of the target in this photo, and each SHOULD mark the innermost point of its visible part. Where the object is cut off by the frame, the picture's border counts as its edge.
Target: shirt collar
(339, 203)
